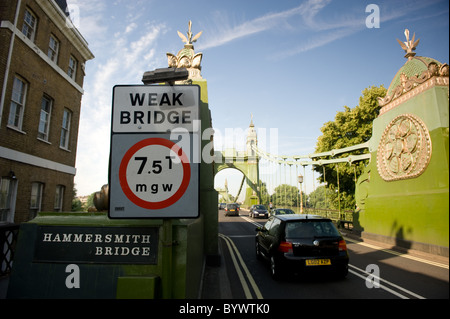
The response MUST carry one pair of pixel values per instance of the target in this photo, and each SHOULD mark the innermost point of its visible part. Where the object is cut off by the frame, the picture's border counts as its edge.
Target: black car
(299, 243)
(258, 211)
(232, 210)
(282, 211)
(222, 206)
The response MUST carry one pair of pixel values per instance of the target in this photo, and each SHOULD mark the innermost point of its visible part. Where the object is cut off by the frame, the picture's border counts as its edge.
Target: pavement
(216, 284)
(348, 235)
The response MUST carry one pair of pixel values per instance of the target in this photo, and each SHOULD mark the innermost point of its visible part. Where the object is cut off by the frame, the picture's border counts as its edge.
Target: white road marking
(238, 263)
(384, 287)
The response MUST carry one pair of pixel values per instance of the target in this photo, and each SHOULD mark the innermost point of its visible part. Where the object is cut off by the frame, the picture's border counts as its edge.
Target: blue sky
(290, 64)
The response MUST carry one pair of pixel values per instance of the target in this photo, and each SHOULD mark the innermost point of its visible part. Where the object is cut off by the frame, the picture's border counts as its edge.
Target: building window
(72, 71)
(59, 198)
(29, 25)
(65, 130)
(53, 49)
(44, 119)
(5, 198)
(37, 189)
(17, 106)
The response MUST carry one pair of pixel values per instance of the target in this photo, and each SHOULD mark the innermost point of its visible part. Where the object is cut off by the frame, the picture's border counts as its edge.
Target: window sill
(44, 141)
(16, 129)
(65, 149)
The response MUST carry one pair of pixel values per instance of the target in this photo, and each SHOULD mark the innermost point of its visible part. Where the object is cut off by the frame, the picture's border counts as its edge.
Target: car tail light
(342, 245)
(285, 247)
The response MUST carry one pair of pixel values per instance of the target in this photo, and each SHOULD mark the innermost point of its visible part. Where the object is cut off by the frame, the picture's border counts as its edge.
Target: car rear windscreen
(311, 228)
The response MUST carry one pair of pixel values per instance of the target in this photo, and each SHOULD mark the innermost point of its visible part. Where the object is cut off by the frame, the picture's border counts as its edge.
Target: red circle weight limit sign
(154, 173)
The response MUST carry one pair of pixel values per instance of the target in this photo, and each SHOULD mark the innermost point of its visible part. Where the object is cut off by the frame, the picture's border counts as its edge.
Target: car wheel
(274, 268)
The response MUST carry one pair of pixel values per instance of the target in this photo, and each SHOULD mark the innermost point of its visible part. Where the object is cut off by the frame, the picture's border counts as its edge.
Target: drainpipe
(8, 63)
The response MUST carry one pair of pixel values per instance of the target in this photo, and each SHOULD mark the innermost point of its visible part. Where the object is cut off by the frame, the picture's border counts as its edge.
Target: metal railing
(343, 218)
(8, 240)
(346, 215)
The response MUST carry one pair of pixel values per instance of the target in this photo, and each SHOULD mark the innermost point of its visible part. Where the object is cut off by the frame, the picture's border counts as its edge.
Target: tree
(287, 196)
(265, 197)
(90, 201)
(322, 198)
(76, 203)
(350, 127)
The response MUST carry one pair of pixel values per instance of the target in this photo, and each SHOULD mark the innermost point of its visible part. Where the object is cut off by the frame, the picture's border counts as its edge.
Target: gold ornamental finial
(409, 46)
(189, 40)
(186, 57)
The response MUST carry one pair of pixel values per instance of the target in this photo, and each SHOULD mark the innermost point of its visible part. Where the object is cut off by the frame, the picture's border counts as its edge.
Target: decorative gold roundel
(405, 149)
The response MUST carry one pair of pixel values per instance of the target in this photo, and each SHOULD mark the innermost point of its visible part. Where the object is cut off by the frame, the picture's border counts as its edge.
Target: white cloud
(315, 42)
(123, 63)
(318, 32)
(226, 33)
(90, 19)
(130, 27)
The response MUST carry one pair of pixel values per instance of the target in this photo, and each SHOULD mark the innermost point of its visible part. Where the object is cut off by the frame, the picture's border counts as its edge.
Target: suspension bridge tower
(252, 192)
(246, 162)
(402, 196)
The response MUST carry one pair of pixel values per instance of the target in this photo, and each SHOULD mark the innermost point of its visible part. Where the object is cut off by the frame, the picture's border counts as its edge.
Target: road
(400, 276)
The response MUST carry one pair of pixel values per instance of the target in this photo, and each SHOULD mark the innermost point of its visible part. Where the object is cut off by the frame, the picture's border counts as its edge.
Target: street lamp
(300, 180)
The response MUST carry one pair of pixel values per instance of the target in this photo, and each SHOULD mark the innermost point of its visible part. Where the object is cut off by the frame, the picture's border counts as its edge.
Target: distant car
(232, 210)
(282, 211)
(296, 243)
(222, 206)
(258, 211)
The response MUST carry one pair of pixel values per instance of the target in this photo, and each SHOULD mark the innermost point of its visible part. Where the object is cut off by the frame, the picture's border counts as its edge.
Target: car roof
(288, 217)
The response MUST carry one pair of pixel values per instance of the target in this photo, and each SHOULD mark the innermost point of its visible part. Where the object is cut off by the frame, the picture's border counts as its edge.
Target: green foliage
(265, 197)
(322, 198)
(76, 203)
(287, 196)
(90, 200)
(350, 127)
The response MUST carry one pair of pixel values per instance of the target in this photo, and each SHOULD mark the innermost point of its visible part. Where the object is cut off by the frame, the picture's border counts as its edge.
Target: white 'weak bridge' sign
(151, 174)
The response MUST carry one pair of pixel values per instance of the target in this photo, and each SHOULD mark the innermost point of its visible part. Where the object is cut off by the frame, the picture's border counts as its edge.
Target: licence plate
(231, 210)
(318, 262)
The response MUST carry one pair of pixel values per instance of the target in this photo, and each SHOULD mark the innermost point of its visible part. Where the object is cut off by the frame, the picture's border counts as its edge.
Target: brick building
(42, 58)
